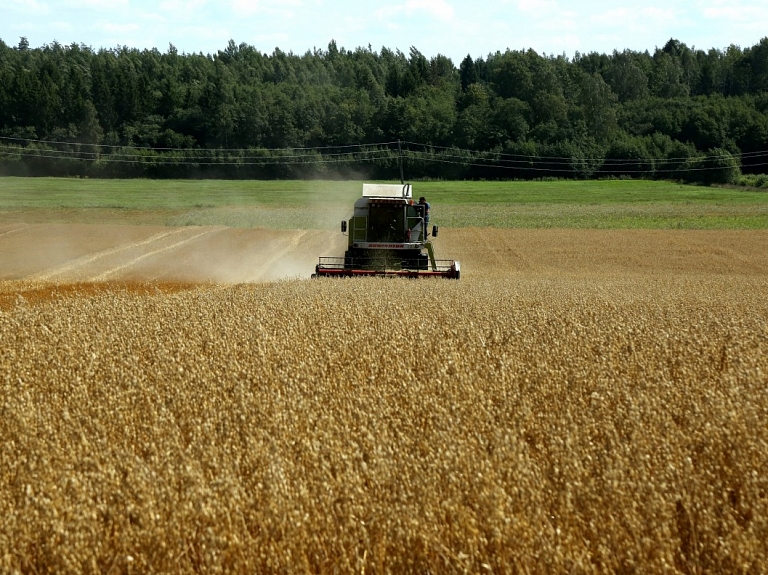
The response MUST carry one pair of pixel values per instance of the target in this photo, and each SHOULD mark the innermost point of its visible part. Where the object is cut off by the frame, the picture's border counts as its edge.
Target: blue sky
(454, 28)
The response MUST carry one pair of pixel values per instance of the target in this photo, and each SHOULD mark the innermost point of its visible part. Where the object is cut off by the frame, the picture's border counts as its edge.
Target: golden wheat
(539, 425)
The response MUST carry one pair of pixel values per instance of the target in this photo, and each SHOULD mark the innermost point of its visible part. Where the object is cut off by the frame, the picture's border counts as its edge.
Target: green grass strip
(604, 204)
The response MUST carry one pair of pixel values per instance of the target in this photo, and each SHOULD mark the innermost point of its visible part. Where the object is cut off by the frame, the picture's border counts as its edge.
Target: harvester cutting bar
(338, 267)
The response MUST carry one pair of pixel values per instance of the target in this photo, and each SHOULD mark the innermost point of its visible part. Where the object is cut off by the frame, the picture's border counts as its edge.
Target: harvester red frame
(335, 267)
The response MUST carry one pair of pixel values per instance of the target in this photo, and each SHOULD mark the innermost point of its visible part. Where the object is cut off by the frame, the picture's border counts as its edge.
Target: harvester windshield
(386, 222)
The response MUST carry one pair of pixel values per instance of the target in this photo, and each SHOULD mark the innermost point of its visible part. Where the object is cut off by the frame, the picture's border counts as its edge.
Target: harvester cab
(388, 236)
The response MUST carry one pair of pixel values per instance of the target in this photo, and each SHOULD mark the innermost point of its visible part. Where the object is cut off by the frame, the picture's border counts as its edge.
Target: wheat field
(570, 422)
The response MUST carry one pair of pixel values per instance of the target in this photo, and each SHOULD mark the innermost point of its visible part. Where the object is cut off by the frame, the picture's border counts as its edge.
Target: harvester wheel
(348, 260)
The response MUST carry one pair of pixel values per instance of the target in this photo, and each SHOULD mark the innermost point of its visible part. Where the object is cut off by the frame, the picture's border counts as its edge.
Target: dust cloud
(83, 252)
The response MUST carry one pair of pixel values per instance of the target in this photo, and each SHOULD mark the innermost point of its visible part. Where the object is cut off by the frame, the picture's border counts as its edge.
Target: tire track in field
(731, 255)
(268, 266)
(91, 258)
(111, 272)
(13, 231)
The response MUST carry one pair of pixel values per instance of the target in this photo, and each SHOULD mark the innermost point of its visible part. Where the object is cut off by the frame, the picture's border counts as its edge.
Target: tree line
(679, 112)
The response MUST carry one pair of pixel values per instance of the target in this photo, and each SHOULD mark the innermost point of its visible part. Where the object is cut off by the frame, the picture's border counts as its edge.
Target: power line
(95, 156)
(159, 161)
(375, 146)
(569, 158)
(362, 153)
(114, 146)
(572, 169)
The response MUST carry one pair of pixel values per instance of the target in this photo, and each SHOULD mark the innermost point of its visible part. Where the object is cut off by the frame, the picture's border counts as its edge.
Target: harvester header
(388, 236)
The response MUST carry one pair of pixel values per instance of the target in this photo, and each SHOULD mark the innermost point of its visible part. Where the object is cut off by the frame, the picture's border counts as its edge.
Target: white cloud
(97, 4)
(737, 12)
(665, 15)
(182, 7)
(566, 21)
(63, 26)
(152, 18)
(272, 39)
(30, 7)
(538, 7)
(388, 12)
(245, 8)
(438, 9)
(637, 16)
(119, 28)
(354, 24)
(725, 12)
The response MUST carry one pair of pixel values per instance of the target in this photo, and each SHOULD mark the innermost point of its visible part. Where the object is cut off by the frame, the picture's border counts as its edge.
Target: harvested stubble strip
(13, 293)
(543, 425)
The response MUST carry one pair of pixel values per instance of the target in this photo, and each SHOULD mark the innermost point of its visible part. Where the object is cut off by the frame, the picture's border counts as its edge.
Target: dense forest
(676, 113)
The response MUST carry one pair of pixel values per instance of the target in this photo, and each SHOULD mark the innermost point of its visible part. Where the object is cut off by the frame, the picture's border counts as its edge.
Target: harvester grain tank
(388, 236)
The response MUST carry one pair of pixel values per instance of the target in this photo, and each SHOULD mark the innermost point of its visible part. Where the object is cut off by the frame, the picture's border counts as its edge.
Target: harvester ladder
(431, 253)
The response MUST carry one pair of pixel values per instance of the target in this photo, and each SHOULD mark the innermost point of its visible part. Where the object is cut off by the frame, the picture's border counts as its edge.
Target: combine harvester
(387, 237)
